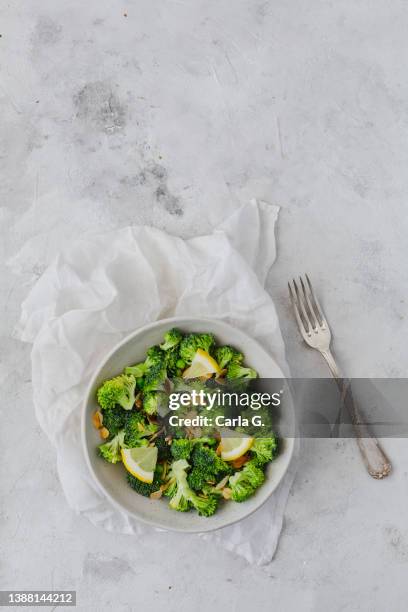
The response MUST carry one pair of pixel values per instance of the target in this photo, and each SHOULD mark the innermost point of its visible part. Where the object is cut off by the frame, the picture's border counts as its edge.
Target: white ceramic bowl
(111, 478)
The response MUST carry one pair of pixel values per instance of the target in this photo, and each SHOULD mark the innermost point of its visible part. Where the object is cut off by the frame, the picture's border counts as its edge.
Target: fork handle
(376, 461)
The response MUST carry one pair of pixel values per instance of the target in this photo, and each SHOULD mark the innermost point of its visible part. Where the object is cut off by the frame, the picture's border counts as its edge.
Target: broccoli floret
(119, 390)
(264, 450)
(236, 370)
(225, 354)
(156, 378)
(172, 362)
(181, 448)
(138, 370)
(183, 497)
(207, 461)
(205, 505)
(163, 448)
(244, 483)
(171, 339)
(154, 357)
(197, 479)
(110, 451)
(155, 402)
(145, 488)
(192, 342)
(114, 418)
(178, 489)
(137, 427)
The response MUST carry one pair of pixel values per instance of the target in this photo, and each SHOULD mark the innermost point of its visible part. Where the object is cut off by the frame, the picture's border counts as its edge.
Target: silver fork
(316, 333)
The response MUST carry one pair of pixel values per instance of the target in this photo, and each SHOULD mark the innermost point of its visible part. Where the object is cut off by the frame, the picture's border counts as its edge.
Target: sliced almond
(222, 482)
(166, 486)
(156, 494)
(226, 493)
(104, 433)
(97, 419)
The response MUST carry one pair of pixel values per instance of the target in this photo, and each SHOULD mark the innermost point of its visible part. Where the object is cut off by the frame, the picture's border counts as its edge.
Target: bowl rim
(172, 321)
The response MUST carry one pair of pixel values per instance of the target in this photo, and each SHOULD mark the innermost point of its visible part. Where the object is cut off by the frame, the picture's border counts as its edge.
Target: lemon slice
(140, 462)
(233, 448)
(202, 365)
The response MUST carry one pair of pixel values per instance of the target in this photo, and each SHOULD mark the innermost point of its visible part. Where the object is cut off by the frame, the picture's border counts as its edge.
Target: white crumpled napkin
(108, 284)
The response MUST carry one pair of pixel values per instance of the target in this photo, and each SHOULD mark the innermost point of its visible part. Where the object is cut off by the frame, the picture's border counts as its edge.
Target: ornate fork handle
(376, 461)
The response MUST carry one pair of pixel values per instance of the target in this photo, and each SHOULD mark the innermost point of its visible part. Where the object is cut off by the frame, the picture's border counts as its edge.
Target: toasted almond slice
(104, 433)
(226, 493)
(222, 483)
(167, 484)
(97, 419)
(156, 494)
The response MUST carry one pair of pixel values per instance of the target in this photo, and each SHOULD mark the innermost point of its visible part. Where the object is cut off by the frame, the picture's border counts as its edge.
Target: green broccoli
(225, 354)
(163, 448)
(110, 451)
(206, 505)
(156, 377)
(245, 482)
(197, 479)
(171, 339)
(192, 342)
(264, 450)
(182, 447)
(236, 370)
(183, 497)
(114, 418)
(155, 402)
(178, 486)
(145, 488)
(207, 463)
(119, 390)
(137, 427)
(172, 362)
(154, 357)
(138, 370)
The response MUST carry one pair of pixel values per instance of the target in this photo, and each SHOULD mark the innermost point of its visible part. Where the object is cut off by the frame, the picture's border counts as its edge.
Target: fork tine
(313, 316)
(296, 310)
(317, 309)
(308, 326)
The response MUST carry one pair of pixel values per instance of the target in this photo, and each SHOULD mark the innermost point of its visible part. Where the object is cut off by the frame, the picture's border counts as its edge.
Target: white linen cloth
(108, 284)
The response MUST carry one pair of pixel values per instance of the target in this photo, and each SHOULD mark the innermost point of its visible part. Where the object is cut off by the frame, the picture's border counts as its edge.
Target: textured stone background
(174, 115)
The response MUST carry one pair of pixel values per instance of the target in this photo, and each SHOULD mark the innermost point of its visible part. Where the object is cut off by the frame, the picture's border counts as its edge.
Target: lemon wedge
(202, 365)
(233, 448)
(140, 462)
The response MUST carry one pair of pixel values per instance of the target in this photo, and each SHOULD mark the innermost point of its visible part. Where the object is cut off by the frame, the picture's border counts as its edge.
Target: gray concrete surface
(173, 113)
